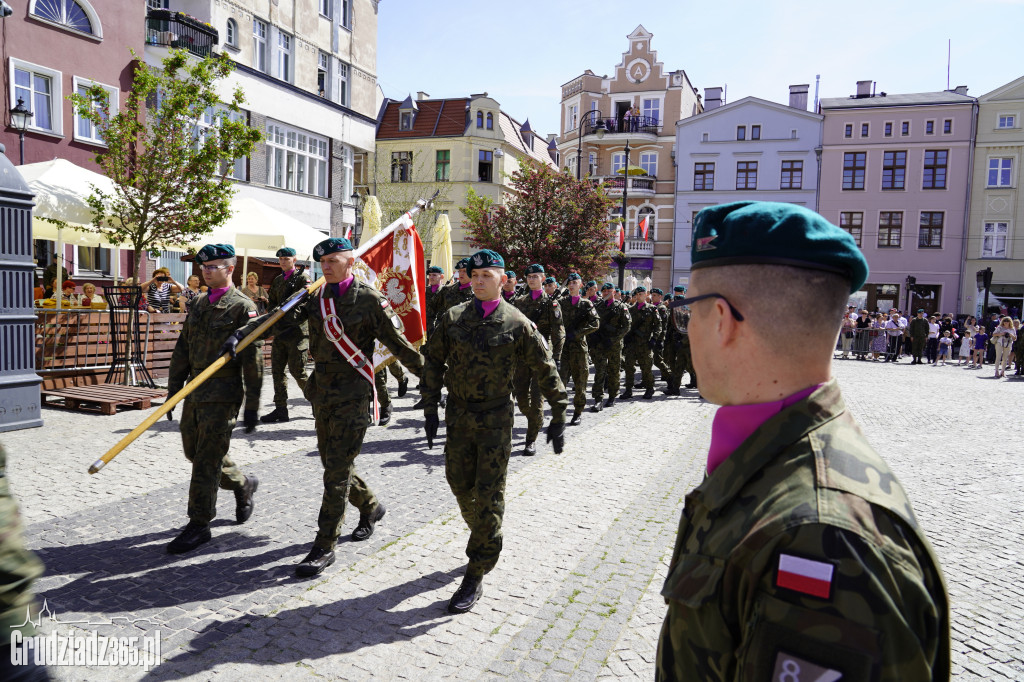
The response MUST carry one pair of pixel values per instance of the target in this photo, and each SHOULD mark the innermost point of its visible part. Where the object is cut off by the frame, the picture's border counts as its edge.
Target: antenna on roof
(949, 58)
(817, 84)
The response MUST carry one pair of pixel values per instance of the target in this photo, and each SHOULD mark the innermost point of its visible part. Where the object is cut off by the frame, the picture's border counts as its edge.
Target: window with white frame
(1007, 121)
(85, 130)
(649, 162)
(322, 74)
(1000, 172)
(618, 162)
(341, 83)
(76, 15)
(325, 8)
(652, 111)
(592, 167)
(231, 33)
(571, 165)
(296, 160)
(40, 89)
(645, 212)
(401, 166)
(993, 241)
(206, 128)
(284, 56)
(92, 260)
(347, 174)
(572, 112)
(259, 45)
(346, 14)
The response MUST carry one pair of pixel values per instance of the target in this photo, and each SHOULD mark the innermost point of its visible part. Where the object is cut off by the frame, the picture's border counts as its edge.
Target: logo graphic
(704, 243)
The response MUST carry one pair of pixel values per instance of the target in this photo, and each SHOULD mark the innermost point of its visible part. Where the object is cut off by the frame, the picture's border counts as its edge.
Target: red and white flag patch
(253, 313)
(805, 575)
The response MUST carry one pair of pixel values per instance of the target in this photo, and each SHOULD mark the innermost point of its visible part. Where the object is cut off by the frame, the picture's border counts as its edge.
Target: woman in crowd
(878, 339)
(1003, 338)
(1018, 348)
(846, 334)
(89, 294)
(159, 290)
(253, 290)
(189, 293)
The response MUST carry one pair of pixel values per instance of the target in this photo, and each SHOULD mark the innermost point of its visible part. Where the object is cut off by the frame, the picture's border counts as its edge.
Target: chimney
(960, 90)
(712, 98)
(864, 89)
(420, 96)
(798, 96)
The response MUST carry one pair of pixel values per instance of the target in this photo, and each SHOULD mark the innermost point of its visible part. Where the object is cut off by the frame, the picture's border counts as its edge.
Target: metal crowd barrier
(860, 343)
(75, 339)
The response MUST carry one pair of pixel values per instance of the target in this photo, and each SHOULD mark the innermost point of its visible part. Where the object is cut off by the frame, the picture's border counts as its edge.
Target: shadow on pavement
(312, 632)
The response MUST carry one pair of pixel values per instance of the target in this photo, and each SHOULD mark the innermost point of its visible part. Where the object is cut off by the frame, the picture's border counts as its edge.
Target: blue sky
(521, 53)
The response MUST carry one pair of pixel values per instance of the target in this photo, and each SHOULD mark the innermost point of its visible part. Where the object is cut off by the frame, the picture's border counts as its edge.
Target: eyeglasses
(212, 268)
(694, 299)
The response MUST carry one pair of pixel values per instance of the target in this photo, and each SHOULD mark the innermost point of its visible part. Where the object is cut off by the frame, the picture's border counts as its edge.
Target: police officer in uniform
(291, 338)
(606, 346)
(475, 348)
(798, 557)
(644, 330)
(351, 314)
(210, 411)
(579, 319)
(544, 312)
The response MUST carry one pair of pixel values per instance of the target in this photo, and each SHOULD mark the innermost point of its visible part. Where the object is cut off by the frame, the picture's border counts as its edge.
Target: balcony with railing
(639, 185)
(179, 30)
(617, 128)
(639, 247)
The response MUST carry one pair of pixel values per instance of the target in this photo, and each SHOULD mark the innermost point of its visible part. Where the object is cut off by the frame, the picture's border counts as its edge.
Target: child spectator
(945, 348)
(965, 349)
(980, 341)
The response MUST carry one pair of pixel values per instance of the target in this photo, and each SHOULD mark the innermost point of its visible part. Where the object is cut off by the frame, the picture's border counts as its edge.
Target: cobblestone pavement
(587, 538)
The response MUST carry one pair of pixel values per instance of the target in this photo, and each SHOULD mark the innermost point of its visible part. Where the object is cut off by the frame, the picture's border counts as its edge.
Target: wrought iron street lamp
(357, 228)
(599, 130)
(622, 259)
(20, 117)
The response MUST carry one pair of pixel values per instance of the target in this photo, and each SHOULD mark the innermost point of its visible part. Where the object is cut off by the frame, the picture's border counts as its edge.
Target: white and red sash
(335, 332)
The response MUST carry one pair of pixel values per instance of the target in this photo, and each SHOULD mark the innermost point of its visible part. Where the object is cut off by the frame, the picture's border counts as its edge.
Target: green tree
(550, 218)
(170, 173)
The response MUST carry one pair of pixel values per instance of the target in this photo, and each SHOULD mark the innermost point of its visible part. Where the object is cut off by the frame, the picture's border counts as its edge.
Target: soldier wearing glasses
(798, 557)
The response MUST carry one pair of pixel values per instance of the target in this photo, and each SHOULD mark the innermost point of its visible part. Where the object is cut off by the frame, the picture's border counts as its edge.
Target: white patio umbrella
(441, 254)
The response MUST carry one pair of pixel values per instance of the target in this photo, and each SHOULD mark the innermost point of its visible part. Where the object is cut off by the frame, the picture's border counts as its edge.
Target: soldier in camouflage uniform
(455, 293)
(657, 356)
(380, 380)
(677, 347)
(544, 312)
(508, 289)
(435, 281)
(644, 331)
(579, 319)
(552, 289)
(474, 351)
(341, 395)
(606, 346)
(918, 332)
(291, 337)
(798, 557)
(19, 568)
(210, 411)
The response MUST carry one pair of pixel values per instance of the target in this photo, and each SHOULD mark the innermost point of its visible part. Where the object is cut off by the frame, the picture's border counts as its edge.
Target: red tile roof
(435, 118)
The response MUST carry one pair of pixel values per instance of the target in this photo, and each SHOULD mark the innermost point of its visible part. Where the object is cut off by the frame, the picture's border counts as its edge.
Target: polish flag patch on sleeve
(253, 313)
(806, 576)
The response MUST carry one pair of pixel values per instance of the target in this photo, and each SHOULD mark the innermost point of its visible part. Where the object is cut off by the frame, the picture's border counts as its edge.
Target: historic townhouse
(635, 108)
(995, 236)
(896, 175)
(746, 150)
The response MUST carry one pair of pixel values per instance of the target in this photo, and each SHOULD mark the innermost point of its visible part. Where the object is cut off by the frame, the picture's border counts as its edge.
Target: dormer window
(490, 121)
(407, 114)
(406, 121)
(479, 119)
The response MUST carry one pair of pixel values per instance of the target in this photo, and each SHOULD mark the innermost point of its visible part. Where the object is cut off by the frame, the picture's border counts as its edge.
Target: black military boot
(627, 394)
(403, 387)
(418, 405)
(244, 504)
(367, 521)
(468, 594)
(648, 394)
(315, 562)
(610, 401)
(598, 405)
(672, 389)
(638, 384)
(530, 450)
(576, 417)
(192, 536)
(280, 414)
(385, 416)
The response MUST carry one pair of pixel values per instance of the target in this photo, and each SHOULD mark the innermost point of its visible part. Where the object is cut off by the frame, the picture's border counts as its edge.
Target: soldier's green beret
(656, 290)
(510, 274)
(461, 265)
(668, 298)
(484, 259)
(591, 283)
(549, 280)
(534, 269)
(573, 276)
(329, 246)
(435, 269)
(640, 289)
(772, 233)
(286, 252)
(679, 289)
(607, 285)
(214, 252)
(920, 310)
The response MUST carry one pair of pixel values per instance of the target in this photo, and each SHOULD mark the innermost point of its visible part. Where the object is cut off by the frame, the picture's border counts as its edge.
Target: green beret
(656, 290)
(435, 269)
(668, 298)
(329, 246)
(549, 280)
(770, 233)
(461, 265)
(607, 285)
(920, 310)
(573, 276)
(591, 283)
(510, 274)
(679, 289)
(286, 252)
(484, 259)
(214, 252)
(534, 269)
(640, 289)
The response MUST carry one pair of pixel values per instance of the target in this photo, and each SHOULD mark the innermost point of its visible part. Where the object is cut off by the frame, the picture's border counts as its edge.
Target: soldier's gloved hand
(249, 420)
(172, 390)
(652, 344)
(170, 415)
(231, 344)
(430, 424)
(556, 436)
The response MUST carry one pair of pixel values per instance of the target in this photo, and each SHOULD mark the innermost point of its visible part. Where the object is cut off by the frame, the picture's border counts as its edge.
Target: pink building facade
(896, 174)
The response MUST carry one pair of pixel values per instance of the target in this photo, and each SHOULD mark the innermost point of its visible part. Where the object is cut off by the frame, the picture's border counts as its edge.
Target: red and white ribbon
(335, 332)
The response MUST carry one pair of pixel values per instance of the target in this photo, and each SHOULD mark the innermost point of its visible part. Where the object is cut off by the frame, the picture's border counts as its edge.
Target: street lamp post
(357, 230)
(599, 130)
(20, 116)
(621, 258)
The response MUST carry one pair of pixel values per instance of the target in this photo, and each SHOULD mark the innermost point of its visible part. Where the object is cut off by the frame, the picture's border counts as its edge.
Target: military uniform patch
(790, 668)
(704, 243)
(805, 575)
(253, 313)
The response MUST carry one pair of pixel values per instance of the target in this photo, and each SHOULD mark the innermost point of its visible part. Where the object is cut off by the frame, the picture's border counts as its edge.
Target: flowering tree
(170, 173)
(550, 218)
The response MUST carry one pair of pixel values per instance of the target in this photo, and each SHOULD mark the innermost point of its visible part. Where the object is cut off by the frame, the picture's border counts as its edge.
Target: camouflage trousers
(607, 365)
(679, 363)
(380, 379)
(574, 366)
(639, 353)
(288, 352)
(19, 567)
(475, 464)
(206, 436)
(658, 360)
(528, 398)
(340, 429)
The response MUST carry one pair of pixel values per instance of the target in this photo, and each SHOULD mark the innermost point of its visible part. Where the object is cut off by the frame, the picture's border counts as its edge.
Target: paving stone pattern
(588, 535)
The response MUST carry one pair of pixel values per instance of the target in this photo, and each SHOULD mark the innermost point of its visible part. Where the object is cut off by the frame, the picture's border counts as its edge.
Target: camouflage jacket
(799, 558)
(544, 312)
(579, 320)
(206, 328)
(19, 567)
(449, 296)
(432, 299)
(645, 325)
(366, 316)
(673, 334)
(281, 289)
(918, 329)
(663, 318)
(476, 358)
(615, 323)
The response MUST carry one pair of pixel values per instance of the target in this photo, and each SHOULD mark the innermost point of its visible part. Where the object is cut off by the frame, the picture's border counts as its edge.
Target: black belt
(484, 406)
(332, 367)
